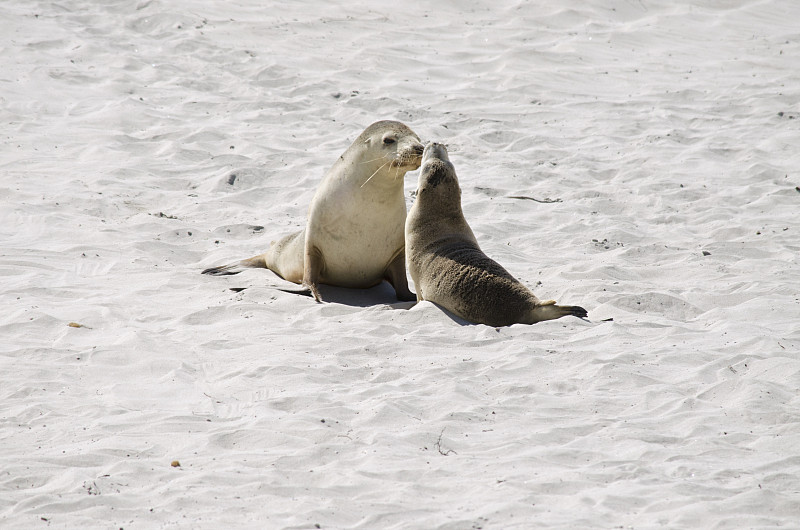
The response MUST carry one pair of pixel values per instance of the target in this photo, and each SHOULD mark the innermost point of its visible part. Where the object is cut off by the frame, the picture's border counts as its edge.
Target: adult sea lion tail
(256, 262)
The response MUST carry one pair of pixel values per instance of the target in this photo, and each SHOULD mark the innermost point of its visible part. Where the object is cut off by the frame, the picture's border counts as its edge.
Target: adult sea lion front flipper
(396, 276)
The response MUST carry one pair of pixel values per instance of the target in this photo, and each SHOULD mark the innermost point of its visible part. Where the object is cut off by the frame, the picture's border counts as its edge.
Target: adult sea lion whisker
(376, 172)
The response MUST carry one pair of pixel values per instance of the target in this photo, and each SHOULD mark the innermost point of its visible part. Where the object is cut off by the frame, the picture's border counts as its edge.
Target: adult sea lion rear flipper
(301, 291)
(284, 258)
(256, 262)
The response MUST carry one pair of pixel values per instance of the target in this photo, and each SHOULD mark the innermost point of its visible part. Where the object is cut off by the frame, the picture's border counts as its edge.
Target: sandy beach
(145, 141)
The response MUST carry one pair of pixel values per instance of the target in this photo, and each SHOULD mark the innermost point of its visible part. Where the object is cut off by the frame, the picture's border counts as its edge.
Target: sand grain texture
(142, 142)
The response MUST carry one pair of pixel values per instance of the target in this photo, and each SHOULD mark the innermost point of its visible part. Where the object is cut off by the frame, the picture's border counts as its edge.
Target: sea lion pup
(354, 233)
(449, 268)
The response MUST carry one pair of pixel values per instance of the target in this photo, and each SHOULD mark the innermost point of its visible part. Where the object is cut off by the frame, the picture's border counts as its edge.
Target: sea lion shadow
(457, 319)
(452, 316)
(381, 294)
(462, 322)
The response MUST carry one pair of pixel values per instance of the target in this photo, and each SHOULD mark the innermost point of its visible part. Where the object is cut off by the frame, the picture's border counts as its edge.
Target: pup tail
(548, 310)
(256, 262)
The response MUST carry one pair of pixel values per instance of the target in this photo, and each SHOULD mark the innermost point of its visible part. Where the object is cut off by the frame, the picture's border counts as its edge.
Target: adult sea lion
(354, 233)
(449, 268)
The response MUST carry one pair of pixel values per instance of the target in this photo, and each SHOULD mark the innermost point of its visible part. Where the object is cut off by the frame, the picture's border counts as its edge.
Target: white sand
(664, 128)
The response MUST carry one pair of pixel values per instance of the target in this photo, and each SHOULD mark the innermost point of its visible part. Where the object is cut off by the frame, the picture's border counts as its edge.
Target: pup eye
(388, 141)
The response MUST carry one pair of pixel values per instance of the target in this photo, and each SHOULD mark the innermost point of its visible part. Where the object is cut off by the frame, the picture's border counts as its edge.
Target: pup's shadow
(382, 294)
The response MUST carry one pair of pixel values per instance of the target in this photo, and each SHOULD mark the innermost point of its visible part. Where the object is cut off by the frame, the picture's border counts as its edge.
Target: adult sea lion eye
(388, 141)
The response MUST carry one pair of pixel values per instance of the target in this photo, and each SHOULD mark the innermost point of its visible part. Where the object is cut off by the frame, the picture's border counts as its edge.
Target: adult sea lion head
(390, 145)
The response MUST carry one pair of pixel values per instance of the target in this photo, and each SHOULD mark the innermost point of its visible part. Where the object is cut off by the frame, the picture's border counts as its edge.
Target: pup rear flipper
(550, 311)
